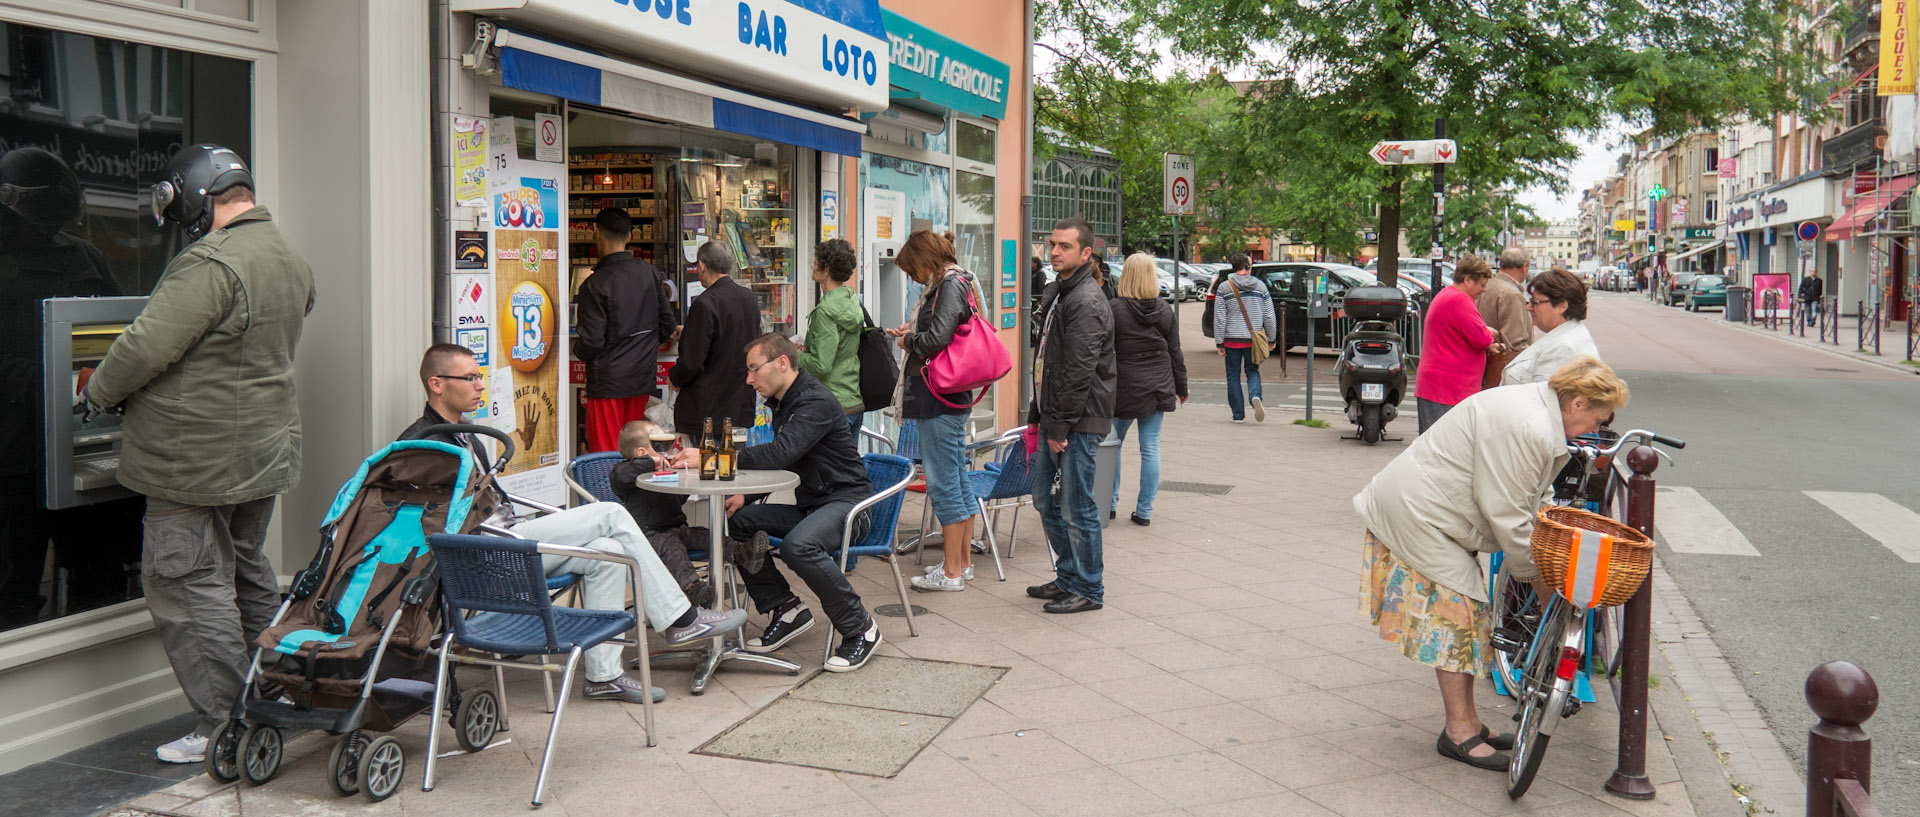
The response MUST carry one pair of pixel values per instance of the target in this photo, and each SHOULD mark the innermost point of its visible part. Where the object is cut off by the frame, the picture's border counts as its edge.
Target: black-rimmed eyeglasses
(476, 377)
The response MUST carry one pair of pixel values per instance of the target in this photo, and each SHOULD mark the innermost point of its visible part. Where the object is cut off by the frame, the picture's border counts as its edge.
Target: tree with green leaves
(1515, 80)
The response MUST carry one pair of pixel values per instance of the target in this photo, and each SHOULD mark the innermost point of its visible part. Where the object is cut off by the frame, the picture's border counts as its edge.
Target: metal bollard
(1860, 325)
(1839, 753)
(1629, 778)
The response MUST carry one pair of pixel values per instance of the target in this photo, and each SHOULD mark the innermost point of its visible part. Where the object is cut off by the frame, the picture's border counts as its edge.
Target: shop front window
(87, 124)
(929, 194)
(745, 200)
(973, 235)
(974, 142)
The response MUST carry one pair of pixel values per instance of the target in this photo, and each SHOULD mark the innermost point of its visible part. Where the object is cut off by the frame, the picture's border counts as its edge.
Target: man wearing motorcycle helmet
(212, 430)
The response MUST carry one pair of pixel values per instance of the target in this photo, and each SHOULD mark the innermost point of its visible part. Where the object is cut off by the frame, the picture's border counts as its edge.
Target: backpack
(878, 370)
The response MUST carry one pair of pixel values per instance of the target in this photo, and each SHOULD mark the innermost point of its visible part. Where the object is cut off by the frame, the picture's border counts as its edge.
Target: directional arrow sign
(1415, 152)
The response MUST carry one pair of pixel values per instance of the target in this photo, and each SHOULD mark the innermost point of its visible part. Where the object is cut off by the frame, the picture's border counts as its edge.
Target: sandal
(1498, 761)
(1501, 742)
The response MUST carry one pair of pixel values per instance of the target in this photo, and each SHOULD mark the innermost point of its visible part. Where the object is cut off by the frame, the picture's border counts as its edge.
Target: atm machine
(83, 457)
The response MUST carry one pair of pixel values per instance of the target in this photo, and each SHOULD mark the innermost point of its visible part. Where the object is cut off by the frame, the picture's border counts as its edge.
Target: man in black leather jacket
(622, 317)
(812, 439)
(1073, 388)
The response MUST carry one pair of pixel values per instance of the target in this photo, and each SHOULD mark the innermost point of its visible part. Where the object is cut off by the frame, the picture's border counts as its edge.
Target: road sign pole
(1439, 205)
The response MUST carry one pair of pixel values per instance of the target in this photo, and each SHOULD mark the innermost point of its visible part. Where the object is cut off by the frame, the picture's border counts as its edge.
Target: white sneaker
(939, 581)
(1259, 411)
(189, 749)
(940, 569)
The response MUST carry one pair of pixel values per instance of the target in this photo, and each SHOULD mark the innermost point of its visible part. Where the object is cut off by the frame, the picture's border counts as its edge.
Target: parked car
(1182, 273)
(1707, 290)
(1288, 283)
(1676, 294)
(1418, 269)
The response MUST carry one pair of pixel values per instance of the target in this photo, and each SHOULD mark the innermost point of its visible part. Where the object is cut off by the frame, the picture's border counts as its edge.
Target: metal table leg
(719, 648)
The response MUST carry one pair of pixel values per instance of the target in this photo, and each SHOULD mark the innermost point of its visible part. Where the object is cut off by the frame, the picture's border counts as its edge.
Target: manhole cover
(1196, 487)
(895, 611)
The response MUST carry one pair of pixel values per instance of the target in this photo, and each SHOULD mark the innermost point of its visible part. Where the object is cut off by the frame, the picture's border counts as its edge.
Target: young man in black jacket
(623, 317)
(1073, 394)
(812, 439)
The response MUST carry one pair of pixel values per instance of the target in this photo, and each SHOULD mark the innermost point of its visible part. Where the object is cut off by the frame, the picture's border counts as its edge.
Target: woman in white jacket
(1470, 485)
(1557, 300)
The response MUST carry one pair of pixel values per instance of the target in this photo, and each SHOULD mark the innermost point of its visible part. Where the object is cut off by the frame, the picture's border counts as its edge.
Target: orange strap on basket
(1587, 562)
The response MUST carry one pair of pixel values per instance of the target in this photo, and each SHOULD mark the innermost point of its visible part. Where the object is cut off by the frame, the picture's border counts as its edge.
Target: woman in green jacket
(832, 349)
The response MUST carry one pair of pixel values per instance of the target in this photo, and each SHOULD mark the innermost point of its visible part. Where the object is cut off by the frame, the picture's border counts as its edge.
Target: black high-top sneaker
(786, 624)
(855, 652)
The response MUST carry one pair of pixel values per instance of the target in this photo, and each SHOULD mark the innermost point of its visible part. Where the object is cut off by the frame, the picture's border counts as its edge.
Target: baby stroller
(348, 650)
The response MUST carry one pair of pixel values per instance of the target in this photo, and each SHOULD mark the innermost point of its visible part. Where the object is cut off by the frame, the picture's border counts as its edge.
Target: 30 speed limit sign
(1179, 185)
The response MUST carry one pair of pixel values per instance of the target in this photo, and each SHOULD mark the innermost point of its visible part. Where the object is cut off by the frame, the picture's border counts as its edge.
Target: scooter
(1373, 373)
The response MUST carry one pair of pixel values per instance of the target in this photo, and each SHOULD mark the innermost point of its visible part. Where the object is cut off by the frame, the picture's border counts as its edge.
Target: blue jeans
(1238, 360)
(943, 441)
(1149, 463)
(1072, 520)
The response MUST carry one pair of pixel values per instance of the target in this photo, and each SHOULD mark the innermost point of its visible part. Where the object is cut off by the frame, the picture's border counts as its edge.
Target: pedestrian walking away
(622, 318)
(946, 302)
(1454, 343)
(1072, 409)
(1151, 379)
(832, 350)
(1471, 486)
(1243, 314)
(207, 370)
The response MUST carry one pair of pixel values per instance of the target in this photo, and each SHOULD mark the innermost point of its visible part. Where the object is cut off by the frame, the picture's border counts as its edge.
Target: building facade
(451, 204)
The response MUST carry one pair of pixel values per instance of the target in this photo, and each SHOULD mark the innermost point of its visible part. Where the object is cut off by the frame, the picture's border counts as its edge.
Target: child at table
(659, 515)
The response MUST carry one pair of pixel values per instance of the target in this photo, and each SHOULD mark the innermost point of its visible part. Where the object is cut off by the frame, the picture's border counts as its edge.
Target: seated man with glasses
(811, 437)
(456, 387)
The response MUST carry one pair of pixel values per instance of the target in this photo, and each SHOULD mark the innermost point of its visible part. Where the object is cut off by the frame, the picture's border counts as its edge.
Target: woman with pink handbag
(951, 353)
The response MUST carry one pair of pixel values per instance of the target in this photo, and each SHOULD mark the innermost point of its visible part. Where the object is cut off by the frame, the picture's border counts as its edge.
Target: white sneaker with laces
(1259, 410)
(189, 749)
(940, 569)
(939, 581)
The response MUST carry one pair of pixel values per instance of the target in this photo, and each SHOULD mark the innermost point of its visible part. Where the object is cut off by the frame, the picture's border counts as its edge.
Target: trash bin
(1736, 311)
(1106, 470)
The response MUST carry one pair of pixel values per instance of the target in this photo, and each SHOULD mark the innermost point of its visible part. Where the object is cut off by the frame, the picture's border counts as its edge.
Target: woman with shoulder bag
(948, 301)
(1153, 374)
(1243, 317)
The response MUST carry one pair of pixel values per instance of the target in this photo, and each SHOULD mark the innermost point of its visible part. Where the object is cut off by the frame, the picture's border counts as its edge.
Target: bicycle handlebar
(1638, 436)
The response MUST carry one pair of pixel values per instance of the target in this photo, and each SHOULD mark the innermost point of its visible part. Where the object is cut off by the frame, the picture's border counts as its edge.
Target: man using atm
(212, 429)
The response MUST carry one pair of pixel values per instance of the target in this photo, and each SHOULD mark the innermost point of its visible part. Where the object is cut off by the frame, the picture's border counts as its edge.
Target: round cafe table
(716, 491)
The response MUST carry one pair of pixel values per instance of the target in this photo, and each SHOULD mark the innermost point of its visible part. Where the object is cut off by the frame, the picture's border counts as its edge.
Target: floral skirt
(1433, 625)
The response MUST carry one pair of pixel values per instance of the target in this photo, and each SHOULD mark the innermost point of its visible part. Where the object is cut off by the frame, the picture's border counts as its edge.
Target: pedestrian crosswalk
(1687, 522)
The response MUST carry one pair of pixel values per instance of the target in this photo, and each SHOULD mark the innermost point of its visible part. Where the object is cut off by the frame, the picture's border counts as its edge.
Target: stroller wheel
(261, 750)
(477, 719)
(343, 768)
(381, 768)
(223, 753)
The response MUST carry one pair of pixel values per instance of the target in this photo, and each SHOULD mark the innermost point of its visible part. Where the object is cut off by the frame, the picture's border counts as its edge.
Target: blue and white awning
(540, 65)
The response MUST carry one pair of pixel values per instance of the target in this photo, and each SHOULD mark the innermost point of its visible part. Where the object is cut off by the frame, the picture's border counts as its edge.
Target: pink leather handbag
(975, 359)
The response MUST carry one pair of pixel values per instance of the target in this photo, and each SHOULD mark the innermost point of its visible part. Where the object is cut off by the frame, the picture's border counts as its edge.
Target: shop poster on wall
(1770, 295)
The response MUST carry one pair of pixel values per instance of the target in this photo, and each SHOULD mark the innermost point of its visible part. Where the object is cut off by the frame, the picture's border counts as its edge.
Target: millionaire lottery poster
(525, 396)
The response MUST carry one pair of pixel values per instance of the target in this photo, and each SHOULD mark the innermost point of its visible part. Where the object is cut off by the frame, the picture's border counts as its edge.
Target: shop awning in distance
(542, 65)
(829, 54)
(1869, 205)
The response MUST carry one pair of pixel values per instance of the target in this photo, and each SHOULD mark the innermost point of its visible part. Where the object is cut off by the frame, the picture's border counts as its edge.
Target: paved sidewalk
(1893, 339)
(1230, 673)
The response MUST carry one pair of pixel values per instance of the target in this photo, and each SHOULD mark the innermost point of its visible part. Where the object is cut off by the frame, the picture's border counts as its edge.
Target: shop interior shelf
(597, 191)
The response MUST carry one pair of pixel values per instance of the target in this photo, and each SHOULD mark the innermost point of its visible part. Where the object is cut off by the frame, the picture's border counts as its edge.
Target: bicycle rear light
(1569, 664)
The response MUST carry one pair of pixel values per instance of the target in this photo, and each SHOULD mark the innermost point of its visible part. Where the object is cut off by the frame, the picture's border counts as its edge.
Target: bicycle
(1550, 652)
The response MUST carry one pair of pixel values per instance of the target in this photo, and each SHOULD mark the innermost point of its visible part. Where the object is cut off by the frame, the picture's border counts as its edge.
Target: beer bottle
(726, 450)
(709, 452)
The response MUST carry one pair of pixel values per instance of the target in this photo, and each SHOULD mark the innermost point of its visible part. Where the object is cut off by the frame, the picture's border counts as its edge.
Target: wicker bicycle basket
(1556, 527)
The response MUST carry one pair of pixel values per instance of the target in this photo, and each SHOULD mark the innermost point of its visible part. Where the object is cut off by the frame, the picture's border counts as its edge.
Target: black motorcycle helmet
(39, 194)
(194, 175)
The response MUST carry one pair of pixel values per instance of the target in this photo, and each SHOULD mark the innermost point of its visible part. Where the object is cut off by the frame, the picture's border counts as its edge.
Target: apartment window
(1712, 211)
(1713, 162)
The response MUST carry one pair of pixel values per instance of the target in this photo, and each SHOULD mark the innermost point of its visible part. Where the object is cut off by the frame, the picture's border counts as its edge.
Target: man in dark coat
(712, 372)
(622, 320)
(1072, 406)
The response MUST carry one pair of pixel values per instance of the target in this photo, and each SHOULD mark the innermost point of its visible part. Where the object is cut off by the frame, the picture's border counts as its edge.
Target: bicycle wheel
(1516, 621)
(1543, 696)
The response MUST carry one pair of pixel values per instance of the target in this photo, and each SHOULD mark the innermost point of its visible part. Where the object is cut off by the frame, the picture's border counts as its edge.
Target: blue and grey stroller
(348, 651)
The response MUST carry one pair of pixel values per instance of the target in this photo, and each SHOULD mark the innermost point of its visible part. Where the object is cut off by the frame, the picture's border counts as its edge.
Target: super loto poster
(528, 334)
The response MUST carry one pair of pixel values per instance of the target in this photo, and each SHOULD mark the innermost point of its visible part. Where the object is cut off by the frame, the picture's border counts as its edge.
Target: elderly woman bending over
(1470, 485)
